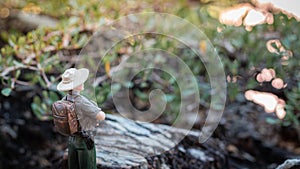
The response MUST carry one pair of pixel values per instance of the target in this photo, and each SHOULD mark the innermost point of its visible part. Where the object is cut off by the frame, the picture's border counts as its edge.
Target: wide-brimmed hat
(72, 78)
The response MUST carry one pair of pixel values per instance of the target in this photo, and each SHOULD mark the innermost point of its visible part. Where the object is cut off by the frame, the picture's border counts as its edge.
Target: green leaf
(53, 97)
(11, 43)
(42, 82)
(169, 97)
(82, 40)
(37, 100)
(21, 40)
(141, 95)
(272, 120)
(18, 72)
(144, 85)
(115, 87)
(18, 63)
(37, 110)
(128, 84)
(6, 91)
(73, 20)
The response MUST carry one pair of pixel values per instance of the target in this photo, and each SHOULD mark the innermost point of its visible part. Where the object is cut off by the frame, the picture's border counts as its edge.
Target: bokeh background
(256, 40)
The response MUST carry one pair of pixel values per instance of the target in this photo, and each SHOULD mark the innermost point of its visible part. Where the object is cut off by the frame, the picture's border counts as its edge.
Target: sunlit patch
(232, 79)
(280, 112)
(219, 29)
(247, 15)
(4, 12)
(234, 16)
(278, 83)
(275, 46)
(266, 100)
(270, 102)
(290, 8)
(285, 58)
(259, 78)
(255, 17)
(251, 16)
(32, 8)
(266, 75)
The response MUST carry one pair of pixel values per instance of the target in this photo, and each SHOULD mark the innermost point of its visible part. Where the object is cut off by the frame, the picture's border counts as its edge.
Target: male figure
(82, 152)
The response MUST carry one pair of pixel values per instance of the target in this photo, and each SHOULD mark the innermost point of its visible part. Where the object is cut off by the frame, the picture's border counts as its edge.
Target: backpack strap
(72, 99)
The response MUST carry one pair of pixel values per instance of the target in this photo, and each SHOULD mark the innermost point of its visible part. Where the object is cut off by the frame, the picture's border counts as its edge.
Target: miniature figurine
(81, 148)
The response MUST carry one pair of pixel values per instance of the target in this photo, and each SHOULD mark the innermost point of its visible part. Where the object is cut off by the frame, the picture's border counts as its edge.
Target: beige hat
(72, 78)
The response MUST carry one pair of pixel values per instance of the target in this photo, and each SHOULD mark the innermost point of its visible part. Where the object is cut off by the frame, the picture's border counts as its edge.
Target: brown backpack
(64, 117)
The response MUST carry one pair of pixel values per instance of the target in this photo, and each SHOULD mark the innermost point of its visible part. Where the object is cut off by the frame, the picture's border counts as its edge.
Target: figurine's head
(73, 79)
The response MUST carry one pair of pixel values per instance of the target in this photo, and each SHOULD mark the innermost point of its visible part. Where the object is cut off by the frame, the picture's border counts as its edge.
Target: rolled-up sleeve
(86, 112)
(88, 108)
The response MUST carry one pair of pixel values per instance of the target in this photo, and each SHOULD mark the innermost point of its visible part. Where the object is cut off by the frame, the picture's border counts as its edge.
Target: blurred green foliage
(40, 56)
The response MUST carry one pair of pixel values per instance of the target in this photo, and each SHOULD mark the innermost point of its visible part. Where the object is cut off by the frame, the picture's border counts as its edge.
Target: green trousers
(79, 157)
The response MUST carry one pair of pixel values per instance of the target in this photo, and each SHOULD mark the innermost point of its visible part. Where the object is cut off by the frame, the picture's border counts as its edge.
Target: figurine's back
(64, 117)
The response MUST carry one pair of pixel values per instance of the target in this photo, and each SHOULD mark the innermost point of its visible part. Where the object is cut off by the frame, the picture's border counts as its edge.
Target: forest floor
(250, 141)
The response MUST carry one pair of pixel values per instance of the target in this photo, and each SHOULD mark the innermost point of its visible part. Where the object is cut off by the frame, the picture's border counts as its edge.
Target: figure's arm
(90, 108)
(100, 115)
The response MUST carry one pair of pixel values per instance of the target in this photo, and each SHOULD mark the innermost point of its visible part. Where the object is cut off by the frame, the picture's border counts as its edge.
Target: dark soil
(26, 141)
(251, 141)
(186, 155)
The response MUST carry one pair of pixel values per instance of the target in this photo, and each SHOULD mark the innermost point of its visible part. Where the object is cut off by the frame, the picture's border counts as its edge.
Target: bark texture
(123, 143)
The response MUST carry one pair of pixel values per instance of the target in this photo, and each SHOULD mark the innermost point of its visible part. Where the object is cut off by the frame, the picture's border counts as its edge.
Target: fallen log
(290, 164)
(123, 143)
(25, 22)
